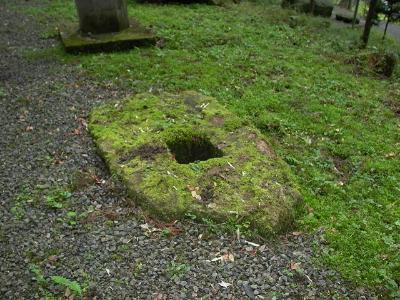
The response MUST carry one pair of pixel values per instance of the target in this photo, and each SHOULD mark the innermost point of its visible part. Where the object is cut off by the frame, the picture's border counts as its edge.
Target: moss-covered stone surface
(186, 153)
(321, 8)
(74, 41)
(346, 16)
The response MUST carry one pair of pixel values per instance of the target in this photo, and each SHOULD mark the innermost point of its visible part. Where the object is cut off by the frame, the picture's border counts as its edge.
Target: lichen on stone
(186, 153)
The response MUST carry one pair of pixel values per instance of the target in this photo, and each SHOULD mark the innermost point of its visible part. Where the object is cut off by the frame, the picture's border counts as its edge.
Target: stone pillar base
(133, 36)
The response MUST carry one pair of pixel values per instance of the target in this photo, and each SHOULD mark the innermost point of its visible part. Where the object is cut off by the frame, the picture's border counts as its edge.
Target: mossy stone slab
(136, 35)
(180, 154)
(346, 17)
(322, 8)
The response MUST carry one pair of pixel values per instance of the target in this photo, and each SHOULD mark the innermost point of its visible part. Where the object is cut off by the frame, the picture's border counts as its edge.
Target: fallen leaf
(52, 258)
(58, 162)
(252, 244)
(295, 265)
(225, 257)
(83, 123)
(390, 155)
(229, 257)
(68, 295)
(224, 284)
(97, 179)
(146, 227)
(196, 196)
(158, 296)
(297, 233)
(262, 248)
(231, 165)
(77, 131)
(211, 205)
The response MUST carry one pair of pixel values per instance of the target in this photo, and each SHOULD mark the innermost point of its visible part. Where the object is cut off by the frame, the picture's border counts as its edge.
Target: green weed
(21, 200)
(72, 218)
(3, 93)
(56, 198)
(74, 286)
(137, 268)
(177, 270)
(39, 277)
(43, 282)
(166, 233)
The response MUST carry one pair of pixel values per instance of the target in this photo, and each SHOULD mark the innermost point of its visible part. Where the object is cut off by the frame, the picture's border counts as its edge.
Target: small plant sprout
(137, 268)
(38, 273)
(73, 286)
(72, 218)
(166, 233)
(177, 270)
(57, 198)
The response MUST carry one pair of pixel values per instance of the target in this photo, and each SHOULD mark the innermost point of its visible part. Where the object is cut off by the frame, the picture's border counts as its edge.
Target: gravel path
(109, 247)
(393, 29)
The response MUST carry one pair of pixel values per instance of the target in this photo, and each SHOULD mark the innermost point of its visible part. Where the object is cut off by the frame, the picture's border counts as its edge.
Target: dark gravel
(107, 247)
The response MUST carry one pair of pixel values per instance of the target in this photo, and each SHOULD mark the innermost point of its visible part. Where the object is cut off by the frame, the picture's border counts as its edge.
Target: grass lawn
(338, 129)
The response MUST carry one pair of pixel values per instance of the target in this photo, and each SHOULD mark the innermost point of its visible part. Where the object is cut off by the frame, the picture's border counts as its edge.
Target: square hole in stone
(192, 148)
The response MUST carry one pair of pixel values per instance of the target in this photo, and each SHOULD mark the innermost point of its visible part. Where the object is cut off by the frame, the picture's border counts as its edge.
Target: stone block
(135, 35)
(187, 154)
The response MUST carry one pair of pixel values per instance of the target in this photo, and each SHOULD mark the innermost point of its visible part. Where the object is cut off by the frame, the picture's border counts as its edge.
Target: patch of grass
(72, 218)
(331, 125)
(109, 223)
(23, 198)
(44, 282)
(73, 286)
(82, 179)
(234, 225)
(38, 273)
(166, 233)
(18, 211)
(3, 93)
(177, 270)
(57, 198)
(137, 268)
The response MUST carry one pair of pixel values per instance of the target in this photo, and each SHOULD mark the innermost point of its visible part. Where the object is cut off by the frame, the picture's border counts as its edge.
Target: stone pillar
(102, 16)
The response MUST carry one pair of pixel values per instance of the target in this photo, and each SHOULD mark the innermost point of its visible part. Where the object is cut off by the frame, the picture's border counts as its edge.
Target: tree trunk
(386, 26)
(355, 13)
(368, 23)
(312, 4)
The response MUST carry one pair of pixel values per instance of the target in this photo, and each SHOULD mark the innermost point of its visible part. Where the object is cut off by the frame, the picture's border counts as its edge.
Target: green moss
(186, 153)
